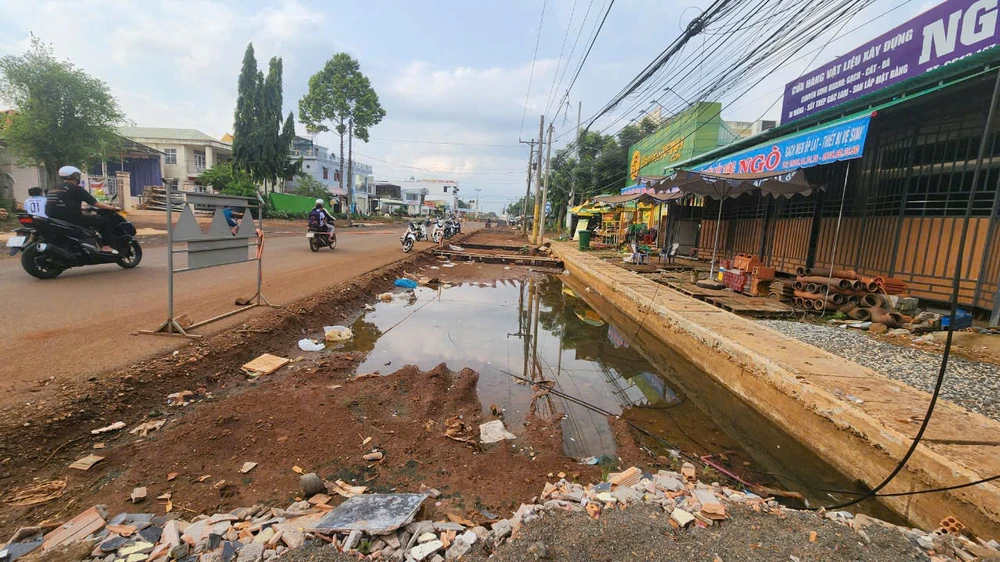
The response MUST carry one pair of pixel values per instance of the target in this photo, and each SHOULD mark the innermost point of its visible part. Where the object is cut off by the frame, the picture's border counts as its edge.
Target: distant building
(186, 152)
(732, 131)
(318, 162)
(388, 197)
(442, 192)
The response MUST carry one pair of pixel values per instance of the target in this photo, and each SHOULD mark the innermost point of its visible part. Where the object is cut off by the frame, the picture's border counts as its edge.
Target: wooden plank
(75, 529)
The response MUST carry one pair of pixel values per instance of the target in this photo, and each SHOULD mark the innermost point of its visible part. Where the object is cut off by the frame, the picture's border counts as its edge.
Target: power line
(572, 50)
(497, 172)
(589, 48)
(531, 75)
(562, 49)
(447, 143)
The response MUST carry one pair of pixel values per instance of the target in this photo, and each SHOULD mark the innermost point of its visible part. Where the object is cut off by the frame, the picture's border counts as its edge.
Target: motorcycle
(322, 239)
(50, 246)
(451, 228)
(412, 235)
(438, 233)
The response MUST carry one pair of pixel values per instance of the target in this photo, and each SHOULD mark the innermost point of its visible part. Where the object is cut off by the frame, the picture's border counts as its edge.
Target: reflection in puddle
(536, 330)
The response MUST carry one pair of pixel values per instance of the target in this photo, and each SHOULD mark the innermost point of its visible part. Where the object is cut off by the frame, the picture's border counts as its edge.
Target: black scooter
(50, 246)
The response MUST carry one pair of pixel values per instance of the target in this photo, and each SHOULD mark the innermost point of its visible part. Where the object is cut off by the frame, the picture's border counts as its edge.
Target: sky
(452, 76)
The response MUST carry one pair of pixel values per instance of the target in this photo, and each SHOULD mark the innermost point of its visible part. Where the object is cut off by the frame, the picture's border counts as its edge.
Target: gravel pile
(971, 384)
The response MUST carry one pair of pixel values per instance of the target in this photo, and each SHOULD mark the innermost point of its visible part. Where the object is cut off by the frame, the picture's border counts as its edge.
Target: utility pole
(478, 212)
(545, 190)
(572, 186)
(527, 192)
(538, 180)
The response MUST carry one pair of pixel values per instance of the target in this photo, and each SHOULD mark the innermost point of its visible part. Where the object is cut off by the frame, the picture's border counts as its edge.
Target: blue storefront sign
(837, 141)
(943, 34)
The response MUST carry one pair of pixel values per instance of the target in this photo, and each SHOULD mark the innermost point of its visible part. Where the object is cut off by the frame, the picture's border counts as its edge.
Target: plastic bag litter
(337, 333)
(455, 248)
(306, 344)
(491, 432)
(448, 264)
(406, 283)
(590, 460)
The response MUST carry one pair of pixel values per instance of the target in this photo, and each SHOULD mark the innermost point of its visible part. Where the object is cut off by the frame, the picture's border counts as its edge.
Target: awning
(722, 186)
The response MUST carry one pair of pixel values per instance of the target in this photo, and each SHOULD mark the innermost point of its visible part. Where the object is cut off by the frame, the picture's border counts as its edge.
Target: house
(318, 162)
(186, 152)
(141, 162)
(413, 197)
(388, 197)
(444, 192)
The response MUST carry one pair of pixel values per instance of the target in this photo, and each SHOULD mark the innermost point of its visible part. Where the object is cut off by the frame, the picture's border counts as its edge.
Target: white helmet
(69, 171)
(319, 201)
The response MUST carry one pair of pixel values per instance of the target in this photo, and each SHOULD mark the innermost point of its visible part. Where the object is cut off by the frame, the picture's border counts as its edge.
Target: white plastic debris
(491, 432)
(306, 344)
(337, 333)
(113, 427)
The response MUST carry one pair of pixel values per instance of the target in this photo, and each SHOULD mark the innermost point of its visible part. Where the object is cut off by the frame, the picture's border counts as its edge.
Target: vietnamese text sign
(839, 141)
(943, 34)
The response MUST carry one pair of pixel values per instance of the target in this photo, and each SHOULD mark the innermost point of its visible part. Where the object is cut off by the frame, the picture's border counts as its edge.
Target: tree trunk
(341, 131)
(51, 175)
(350, 167)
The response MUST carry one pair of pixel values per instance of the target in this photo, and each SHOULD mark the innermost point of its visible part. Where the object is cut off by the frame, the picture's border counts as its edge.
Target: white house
(318, 162)
(186, 152)
(437, 192)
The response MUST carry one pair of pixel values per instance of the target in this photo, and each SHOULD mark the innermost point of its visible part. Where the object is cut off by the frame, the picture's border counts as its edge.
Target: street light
(674, 92)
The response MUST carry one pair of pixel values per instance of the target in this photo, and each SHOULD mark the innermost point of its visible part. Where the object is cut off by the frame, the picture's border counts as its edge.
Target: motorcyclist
(63, 202)
(319, 219)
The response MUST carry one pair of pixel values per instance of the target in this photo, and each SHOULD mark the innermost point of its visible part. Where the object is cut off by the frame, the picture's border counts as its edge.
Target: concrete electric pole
(545, 190)
(527, 192)
(538, 179)
(572, 186)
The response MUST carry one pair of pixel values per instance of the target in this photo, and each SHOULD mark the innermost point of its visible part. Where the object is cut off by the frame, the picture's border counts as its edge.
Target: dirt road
(84, 323)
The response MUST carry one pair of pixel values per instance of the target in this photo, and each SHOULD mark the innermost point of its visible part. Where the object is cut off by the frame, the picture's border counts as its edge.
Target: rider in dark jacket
(64, 201)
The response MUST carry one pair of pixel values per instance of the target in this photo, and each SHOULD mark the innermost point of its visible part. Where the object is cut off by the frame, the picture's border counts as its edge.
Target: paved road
(81, 324)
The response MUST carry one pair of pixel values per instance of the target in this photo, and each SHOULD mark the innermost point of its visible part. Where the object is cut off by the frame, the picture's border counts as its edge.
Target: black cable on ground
(956, 283)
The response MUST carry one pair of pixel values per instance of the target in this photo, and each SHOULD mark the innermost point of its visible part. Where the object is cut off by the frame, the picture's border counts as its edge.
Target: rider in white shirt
(35, 204)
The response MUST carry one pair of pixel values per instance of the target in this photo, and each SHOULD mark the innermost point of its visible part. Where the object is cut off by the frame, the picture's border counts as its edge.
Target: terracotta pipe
(798, 285)
(861, 314)
(832, 281)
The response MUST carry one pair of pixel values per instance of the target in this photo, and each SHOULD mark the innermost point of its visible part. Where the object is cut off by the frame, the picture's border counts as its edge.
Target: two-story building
(324, 167)
(437, 192)
(186, 152)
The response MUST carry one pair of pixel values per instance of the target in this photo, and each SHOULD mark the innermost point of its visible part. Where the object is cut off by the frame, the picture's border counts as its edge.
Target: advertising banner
(838, 141)
(948, 32)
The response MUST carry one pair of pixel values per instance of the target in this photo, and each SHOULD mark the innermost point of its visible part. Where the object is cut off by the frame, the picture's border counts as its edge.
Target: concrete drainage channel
(485, 373)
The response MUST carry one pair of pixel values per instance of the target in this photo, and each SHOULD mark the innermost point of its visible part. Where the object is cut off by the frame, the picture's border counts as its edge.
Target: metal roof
(167, 134)
(949, 75)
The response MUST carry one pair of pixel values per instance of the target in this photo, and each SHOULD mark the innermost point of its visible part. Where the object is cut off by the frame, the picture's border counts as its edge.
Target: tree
(308, 186)
(260, 142)
(339, 94)
(224, 178)
(62, 116)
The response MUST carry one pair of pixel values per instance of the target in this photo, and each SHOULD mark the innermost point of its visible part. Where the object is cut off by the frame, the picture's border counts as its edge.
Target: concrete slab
(857, 420)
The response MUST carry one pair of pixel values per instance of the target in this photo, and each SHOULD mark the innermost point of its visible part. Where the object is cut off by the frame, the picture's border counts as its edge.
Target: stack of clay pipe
(844, 291)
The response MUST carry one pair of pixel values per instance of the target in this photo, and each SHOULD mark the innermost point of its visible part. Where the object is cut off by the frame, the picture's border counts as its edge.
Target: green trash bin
(584, 240)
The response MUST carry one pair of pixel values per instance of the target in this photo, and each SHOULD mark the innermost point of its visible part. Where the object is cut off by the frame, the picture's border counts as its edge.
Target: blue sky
(446, 71)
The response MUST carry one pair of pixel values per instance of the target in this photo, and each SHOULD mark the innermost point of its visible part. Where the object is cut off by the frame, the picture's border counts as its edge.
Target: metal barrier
(221, 246)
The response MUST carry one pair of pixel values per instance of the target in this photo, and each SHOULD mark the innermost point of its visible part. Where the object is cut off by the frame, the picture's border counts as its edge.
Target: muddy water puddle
(547, 329)
(537, 330)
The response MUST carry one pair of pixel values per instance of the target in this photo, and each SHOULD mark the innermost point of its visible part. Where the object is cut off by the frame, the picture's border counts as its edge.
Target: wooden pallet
(751, 306)
(492, 258)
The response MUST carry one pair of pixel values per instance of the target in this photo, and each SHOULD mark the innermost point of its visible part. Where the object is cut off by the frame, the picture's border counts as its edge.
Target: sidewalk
(805, 390)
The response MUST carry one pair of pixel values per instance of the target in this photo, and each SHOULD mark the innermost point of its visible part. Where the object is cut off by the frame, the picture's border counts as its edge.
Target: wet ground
(468, 341)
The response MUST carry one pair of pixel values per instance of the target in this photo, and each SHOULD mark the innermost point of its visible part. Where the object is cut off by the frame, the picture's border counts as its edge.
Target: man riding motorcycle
(319, 219)
(64, 201)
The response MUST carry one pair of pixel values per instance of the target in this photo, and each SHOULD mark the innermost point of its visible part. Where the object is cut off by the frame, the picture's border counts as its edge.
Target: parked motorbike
(451, 228)
(411, 235)
(322, 239)
(438, 232)
(50, 246)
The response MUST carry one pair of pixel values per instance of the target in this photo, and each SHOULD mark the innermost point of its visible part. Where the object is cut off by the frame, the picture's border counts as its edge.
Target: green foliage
(599, 167)
(340, 96)
(62, 116)
(225, 179)
(308, 186)
(261, 142)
